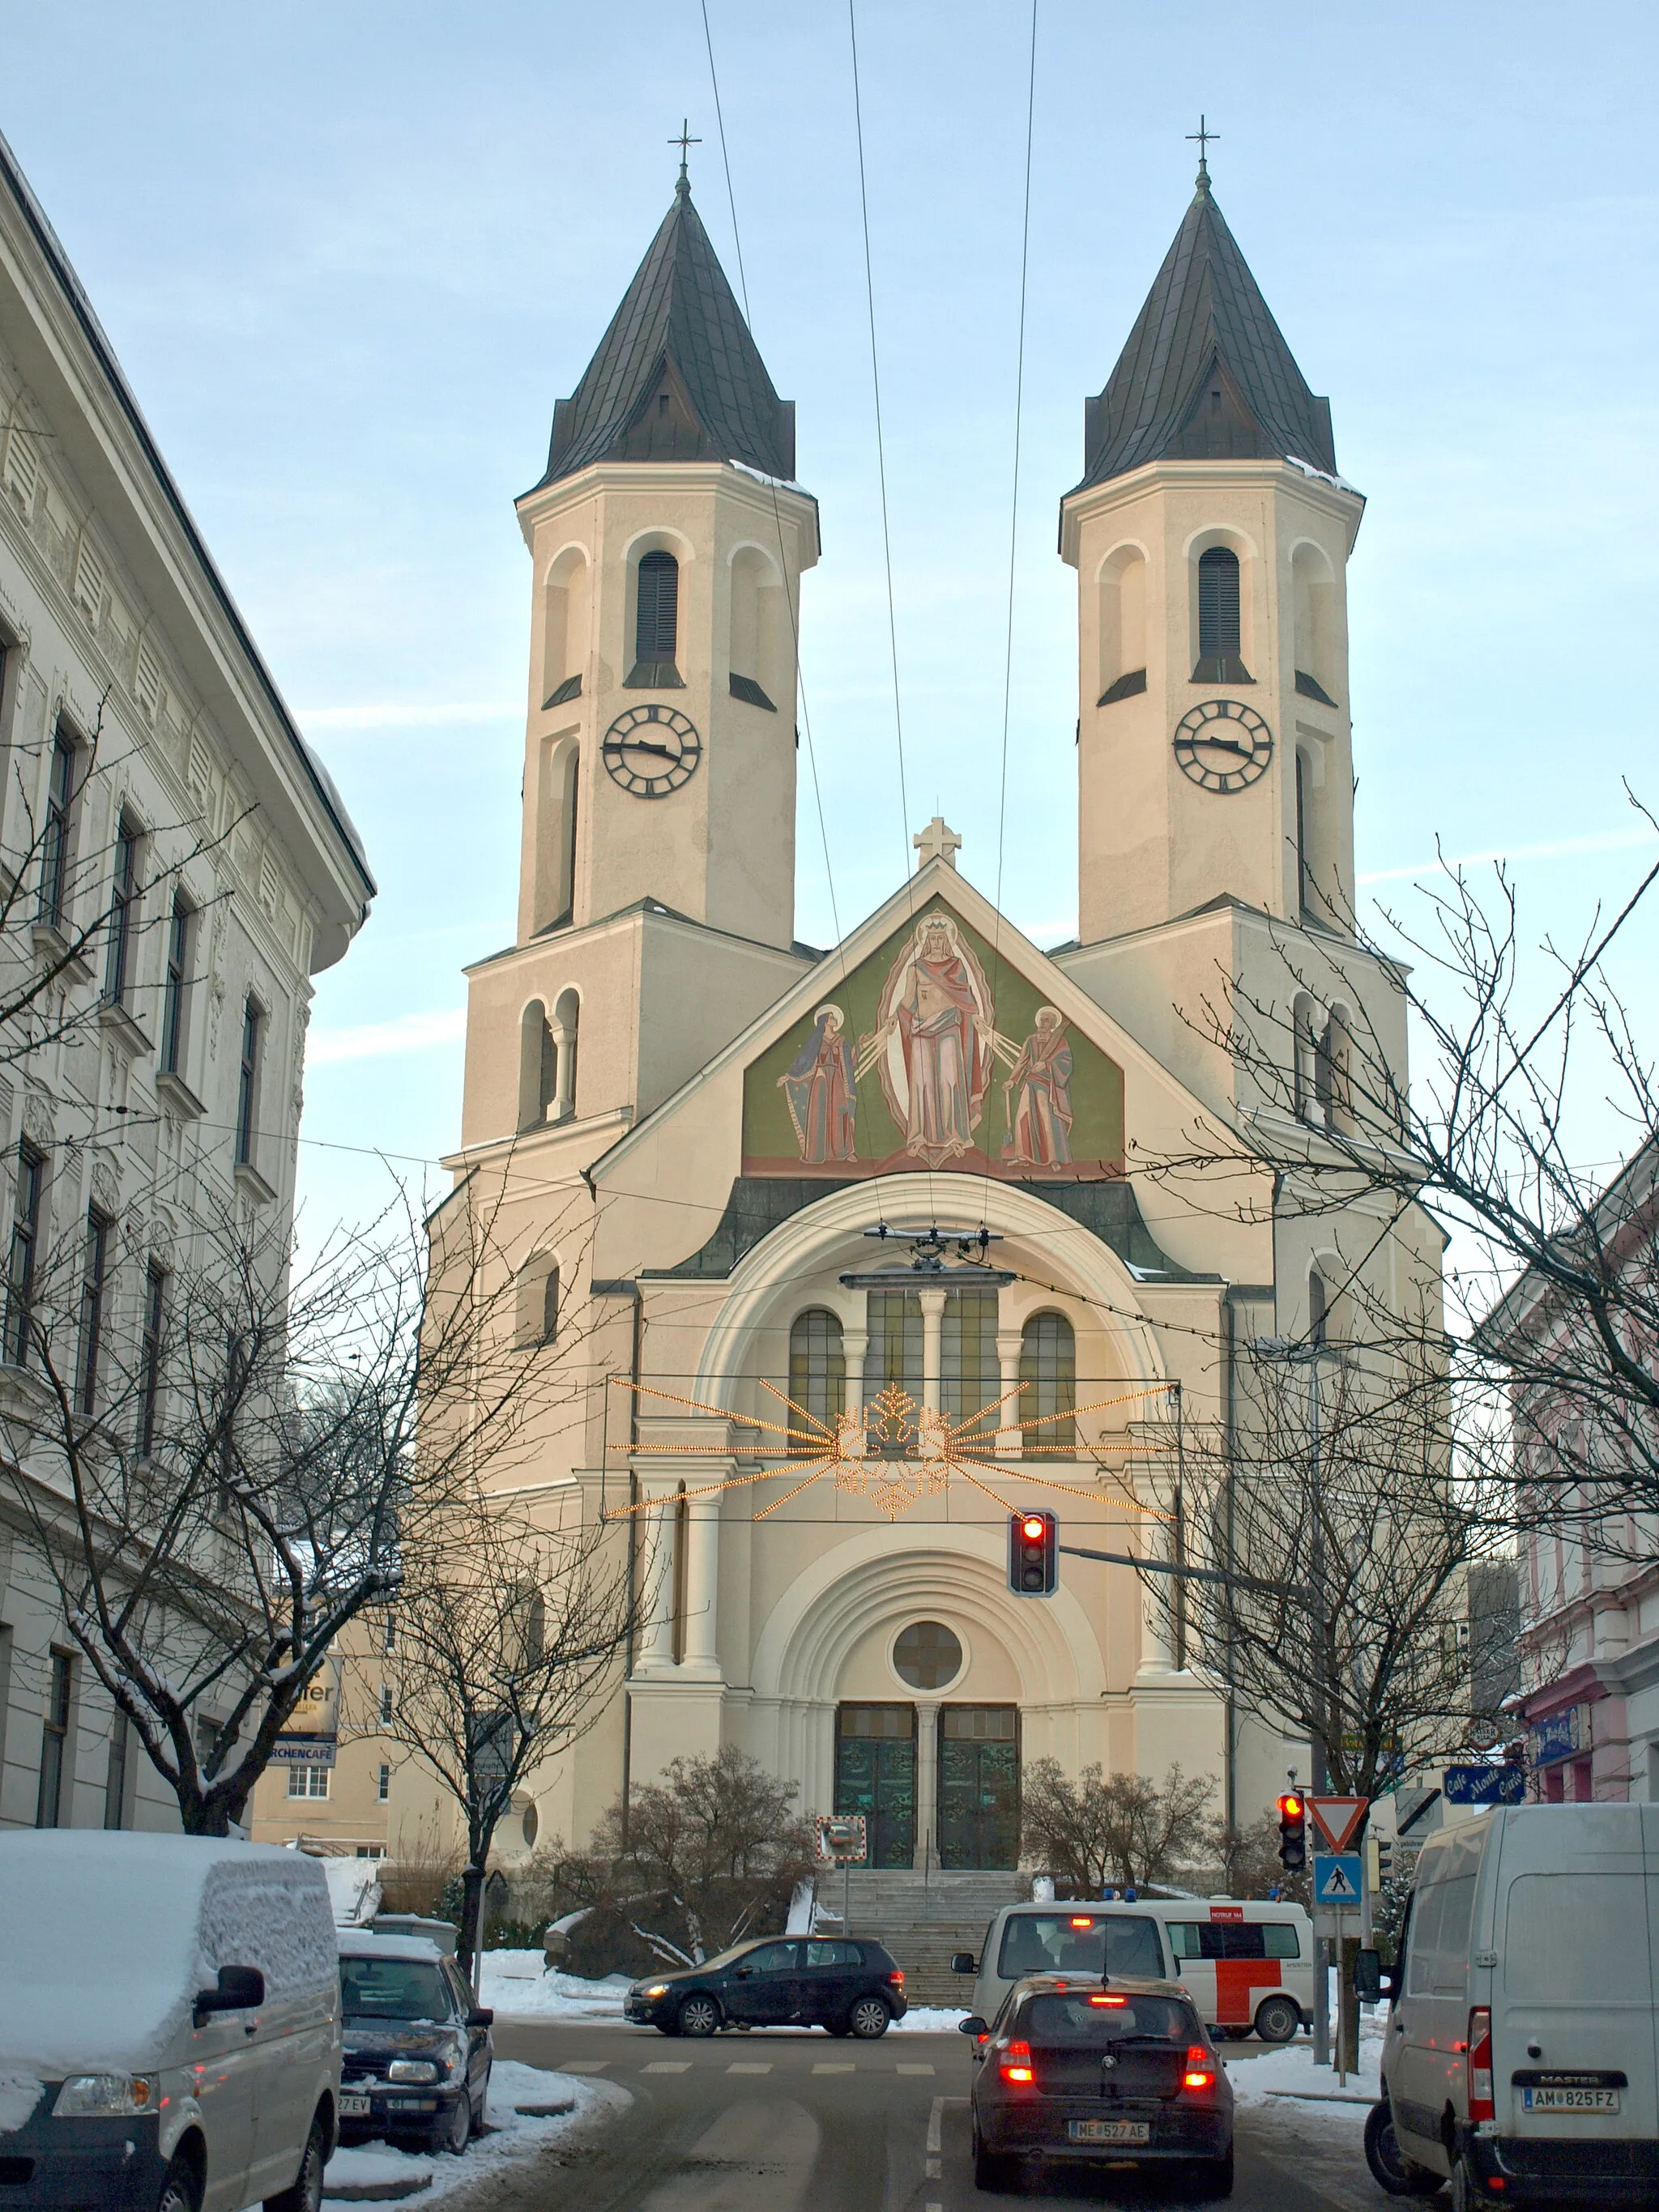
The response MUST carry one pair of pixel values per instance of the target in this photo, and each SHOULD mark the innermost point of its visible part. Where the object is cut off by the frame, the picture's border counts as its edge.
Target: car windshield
(725, 1957)
(1080, 1942)
(1090, 2019)
(393, 1989)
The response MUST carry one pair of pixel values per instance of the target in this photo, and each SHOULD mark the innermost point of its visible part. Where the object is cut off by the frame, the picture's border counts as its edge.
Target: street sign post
(842, 1842)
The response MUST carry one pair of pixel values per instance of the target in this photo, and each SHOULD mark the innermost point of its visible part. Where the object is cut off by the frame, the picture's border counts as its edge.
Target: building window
(308, 1780)
(1305, 885)
(1048, 1368)
(248, 1083)
(123, 903)
(94, 1284)
(385, 1705)
(383, 1785)
(25, 1247)
(1318, 1311)
(56, 831)
(115, 1778)
(1219, 659)
(656, 624)
(970, 1380)
(55, 1742)
(818, 1379)
(175, 986)
(894, 1357)
(550, 1306)
(149, 1356)
(1331, 1075)
(538, 1074)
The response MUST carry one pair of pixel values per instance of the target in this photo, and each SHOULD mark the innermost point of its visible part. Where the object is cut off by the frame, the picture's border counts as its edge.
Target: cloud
(1562, 849)
(389, 715)
(381, 1040)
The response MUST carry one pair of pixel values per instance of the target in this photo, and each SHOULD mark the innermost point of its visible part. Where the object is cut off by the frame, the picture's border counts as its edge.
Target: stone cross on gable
(938, 842)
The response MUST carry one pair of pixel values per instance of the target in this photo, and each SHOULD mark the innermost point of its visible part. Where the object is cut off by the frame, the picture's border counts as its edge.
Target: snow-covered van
(169, 2024)
(1246, 1964)
(1519, 2059)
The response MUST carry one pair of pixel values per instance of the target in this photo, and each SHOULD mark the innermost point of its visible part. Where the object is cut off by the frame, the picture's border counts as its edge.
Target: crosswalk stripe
(822, 2068)
(743, 2066)
(667, 2066)
(583, 2065)
(914, 2070)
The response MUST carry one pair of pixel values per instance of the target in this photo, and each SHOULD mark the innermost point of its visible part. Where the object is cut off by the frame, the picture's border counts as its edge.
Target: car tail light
(1016, 2064)
(896, 1979)
(1081, 1920)
(1199, 2073)
(1108, 2001)
(1478, 2064)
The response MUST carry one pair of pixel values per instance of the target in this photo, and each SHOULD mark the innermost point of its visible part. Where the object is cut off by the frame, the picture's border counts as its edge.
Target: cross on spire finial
(683, 141)
(938, 841)
(1203, 136)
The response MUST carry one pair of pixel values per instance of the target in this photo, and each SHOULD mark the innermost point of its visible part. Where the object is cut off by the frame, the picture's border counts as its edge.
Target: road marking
(822, 2068)
(583, 2065)
(744, 2066)
(935, 2122)
(667, 2066)
(935, 2171)
(914, 2070)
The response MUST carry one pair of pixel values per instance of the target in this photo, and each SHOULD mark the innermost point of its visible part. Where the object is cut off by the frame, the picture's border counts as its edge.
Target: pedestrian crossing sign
(1339, 1881)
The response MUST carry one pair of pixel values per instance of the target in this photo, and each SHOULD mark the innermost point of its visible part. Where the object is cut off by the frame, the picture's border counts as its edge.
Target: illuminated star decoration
(893, 1450)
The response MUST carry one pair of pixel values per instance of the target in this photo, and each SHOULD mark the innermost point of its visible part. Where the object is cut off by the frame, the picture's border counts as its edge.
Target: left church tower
(668, 540)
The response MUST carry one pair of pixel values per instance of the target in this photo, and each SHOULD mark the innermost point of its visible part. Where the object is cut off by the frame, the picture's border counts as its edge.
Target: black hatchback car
(850, 1987)
(417, 2050)
(1113, 2073)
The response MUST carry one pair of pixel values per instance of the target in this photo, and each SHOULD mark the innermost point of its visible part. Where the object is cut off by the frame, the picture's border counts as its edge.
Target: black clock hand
(645, 745)
(1226, 745)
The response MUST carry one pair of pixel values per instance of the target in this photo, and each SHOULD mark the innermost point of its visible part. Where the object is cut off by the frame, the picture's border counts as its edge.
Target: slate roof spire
(1206, 373)
(676, 376)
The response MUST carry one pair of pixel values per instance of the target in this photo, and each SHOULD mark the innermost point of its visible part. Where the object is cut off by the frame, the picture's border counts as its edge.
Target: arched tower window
(1122, 626)
(567, 1020)
(1304, 881)
(1304, 1046)
(1048, 1368)
(1313, 623)
(564, 629)
(1218, 617)
(1331, 1074)
(754, 658)
(1319, 1308)
(537, 1070)
(568, 772)
(550, 1304)
(817, 1377)
(656, 622)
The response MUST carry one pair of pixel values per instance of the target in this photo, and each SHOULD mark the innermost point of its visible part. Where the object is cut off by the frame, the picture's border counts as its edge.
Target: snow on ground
(516, 1985)
(511, 2135)
(1291, 2067)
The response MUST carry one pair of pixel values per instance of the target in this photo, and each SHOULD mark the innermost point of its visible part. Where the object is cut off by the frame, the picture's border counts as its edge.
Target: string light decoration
(894, 1450)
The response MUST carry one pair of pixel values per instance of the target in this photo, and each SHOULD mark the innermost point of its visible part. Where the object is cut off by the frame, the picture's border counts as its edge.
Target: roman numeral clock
(651, 750)
(1223, 745)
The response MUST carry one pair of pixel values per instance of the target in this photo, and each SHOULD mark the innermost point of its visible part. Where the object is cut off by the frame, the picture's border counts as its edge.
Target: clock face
(651, 751)
(1223, 744)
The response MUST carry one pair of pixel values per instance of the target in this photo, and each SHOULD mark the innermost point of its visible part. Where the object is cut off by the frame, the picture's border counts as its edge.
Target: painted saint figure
(1037, 1096)
(933, 1042)
(818, 1089)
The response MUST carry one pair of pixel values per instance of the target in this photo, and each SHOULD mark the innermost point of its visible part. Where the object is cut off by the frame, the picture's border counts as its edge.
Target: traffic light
(1033, 1554)
(1292, 1832)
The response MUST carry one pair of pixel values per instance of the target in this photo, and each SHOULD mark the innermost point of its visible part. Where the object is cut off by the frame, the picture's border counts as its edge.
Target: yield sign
(1337, 1819)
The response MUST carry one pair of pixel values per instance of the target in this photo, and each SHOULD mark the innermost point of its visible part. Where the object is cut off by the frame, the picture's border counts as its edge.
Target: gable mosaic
(935, 1052)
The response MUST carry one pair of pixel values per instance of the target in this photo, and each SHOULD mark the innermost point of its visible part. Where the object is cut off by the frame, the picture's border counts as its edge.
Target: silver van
(169, 2024)
(1519, 2061)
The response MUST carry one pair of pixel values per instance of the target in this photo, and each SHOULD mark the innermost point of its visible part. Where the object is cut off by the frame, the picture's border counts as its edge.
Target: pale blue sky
(351, 255)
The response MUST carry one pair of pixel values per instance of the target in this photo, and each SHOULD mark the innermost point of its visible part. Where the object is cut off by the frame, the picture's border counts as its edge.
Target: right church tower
(1210, 535)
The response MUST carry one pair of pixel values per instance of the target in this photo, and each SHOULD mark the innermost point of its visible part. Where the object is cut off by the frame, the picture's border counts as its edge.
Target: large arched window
(1218, 617)
(538, 1074)
(817, 1377)
(656, 624)
(1048, 1368)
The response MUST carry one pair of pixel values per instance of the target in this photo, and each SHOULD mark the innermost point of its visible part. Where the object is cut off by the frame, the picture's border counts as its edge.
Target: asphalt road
(802, 2123)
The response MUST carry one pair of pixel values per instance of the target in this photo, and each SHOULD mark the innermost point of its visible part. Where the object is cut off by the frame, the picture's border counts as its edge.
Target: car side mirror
(242, 1989)
(745, 1973)
(972, 2025)
(963, 1962)
(1367, 1976)
(481, 2016)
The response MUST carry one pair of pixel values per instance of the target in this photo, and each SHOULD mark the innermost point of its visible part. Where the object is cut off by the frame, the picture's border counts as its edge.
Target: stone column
(1010, 1438)
(854, 1344)
(932, 1342)
(703, 1576)
(564, 1072)
(655, 1652)
(926, 1783)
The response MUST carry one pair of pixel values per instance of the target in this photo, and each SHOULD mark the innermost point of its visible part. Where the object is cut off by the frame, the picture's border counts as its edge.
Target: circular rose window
(926, 1655)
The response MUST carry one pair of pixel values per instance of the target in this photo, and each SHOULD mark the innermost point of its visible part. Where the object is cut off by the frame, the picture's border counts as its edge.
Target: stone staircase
(922, 1920)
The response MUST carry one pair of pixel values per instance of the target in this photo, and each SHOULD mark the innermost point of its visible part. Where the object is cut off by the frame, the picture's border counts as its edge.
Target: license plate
(353, 2107)
(1109, 2131)
(411, 2104)
(1570, 2100)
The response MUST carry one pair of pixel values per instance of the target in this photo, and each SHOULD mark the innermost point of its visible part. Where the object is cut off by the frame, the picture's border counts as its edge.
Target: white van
(169, 2024)
(1245, 1963)
(1520, 2044)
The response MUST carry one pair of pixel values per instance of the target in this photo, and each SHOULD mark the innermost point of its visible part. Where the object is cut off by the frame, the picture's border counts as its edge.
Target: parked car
(1246, 1964)
(418, 2052)
(1103, 2072)
(851, 1987)
(1519, 2058)
(169, 2024)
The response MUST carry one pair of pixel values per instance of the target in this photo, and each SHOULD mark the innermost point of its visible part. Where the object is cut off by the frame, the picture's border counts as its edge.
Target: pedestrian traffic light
(1292, 1832)
(1033, 1554)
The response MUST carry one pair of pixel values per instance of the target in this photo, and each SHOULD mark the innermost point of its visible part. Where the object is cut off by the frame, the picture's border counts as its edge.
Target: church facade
(852, 1253)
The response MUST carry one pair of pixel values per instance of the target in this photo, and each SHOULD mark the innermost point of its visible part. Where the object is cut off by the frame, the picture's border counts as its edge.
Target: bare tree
(220, 1467)
(1101, 1828)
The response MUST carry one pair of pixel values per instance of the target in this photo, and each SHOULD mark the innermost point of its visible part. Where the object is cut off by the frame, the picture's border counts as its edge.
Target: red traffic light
(1032, 1529)
(1290, 1807)
(1033, 1554)
(1292, 1832)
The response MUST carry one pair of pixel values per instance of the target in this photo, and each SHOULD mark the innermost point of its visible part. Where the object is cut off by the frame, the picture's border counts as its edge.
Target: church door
(979, 1786)
(876, 1775)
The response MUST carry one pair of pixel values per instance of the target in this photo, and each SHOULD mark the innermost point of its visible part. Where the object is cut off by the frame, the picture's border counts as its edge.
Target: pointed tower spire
(676, 376)
(1206, 373)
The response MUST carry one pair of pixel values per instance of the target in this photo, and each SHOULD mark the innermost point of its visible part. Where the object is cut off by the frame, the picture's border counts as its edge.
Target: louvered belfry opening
(1218, 659)
(656, 625)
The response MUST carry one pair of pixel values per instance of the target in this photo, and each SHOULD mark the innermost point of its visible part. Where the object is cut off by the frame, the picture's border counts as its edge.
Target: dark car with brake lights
(419, 2050)
(851, 1985)
(1118, 2072)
